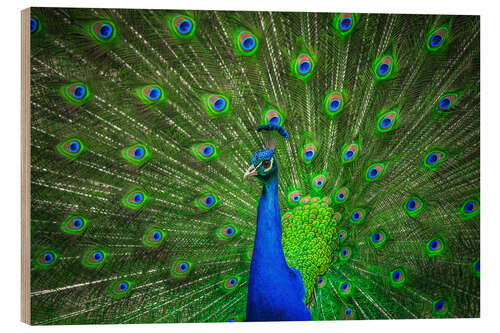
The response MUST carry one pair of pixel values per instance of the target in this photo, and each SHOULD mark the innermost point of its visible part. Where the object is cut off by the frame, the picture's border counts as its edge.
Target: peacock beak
(250, 172)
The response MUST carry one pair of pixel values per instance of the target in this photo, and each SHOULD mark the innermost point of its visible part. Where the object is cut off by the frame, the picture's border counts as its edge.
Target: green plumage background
(147, 52)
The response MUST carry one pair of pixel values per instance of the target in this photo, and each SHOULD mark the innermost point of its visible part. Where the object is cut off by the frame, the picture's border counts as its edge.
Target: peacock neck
(268, 250)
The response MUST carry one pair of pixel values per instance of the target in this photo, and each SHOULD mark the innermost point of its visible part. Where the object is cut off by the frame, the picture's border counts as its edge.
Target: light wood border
(25, 167)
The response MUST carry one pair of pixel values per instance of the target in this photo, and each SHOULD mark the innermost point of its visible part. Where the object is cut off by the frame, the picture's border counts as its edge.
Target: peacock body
(142, 127)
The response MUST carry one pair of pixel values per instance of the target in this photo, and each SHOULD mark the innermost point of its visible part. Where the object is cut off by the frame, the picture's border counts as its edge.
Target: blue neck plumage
(275, 291)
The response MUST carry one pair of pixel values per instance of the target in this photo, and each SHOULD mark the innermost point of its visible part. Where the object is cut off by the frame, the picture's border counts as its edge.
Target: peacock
(222, 166)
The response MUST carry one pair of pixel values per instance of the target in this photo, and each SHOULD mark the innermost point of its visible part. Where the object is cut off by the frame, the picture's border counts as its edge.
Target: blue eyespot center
(344, 286)
(432, 158)
(139, 152)
(319, 183)
(345, 24)
(185, 26)
(355, 216)
(348, 311)
(232, 281)
(209, 200)
(334, 105)
(77, 223)
(98, 256)
(79, 92)
(105, 31)
(469, 207)
(340, 196)
(434, 245)
(248, 43)
(444, 103)
(275, 120)
(74, 146)
(296, 198)
(348, 154)
(373, 173)
(344, 252)
(154, 93)
(411, 204)
(304, 67)
(436, 40)
(341, 235)
(309, 154)
(219, 104)
(376, 237)
(33, 25)
(396, 275)
(385, 122)
(138, 197)
(156, 235)
(123, 286)
(208, 150)
(383, 69)
(184, 267)
(478, 267)
(229, 231)
(48, 257)
(439, 306)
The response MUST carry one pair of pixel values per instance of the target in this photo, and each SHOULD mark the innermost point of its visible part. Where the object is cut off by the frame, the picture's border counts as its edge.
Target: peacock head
(263, 166)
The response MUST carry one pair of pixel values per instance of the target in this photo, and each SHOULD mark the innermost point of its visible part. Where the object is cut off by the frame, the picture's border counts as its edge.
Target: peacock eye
(266, 163)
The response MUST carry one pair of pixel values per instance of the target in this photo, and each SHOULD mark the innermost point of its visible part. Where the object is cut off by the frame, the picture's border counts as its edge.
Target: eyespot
(46, 259)
(413, 206)
(374, 172)
(135, 199)
(34, 25)
(181, 268)
(347, 313)
(358, 216)
(153, 237)
(136, 154)
(305, 200)
(336, 217)
(387, 121)
(384, 68)
(273, 117)
(436, 38)
(439, 307)
(469, 209)
(318, 182)
(344, 288)
(216, 104)
(230, 283)
(446, 102)
(476, 267)
(205, 151)
(103, 31)
(321, 282)
(344, 23)
(435, 246)
(342, 235)
(434, 159)
(74, 225)
(378, 239)
(333, 103)
(207, 201)
(341, 195)
(94, 258)
(345, 254)
(303, 66)
(349, 153)
(232, 319)
(308, 153)
(151, 94)
(246, 42)
(70, 148)
(294, 197)
(76, 93)
(228, 231)
(182, 26)
(120, 288)
(397, 277)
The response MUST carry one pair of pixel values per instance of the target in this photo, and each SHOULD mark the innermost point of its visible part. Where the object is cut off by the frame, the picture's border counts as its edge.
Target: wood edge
(25, 167)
